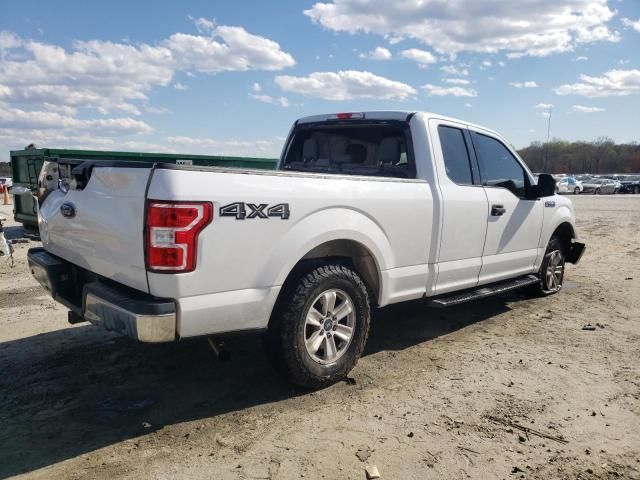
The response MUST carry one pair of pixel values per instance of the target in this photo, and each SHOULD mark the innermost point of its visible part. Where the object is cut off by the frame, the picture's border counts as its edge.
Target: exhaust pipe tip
(219, 349)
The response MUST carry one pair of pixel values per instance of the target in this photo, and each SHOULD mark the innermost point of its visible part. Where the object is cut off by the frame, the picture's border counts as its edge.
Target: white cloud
(153, 109)
(9, 40)
(238, 51)
(204, 25)
(457, 81)
(468, 105)
(502, 64)
(15, 119)
(454, 70)
(583, 109)
(180, 86)
(544, 106)
(581, 58)
(623, 62)
(535, 27)
(256, 87)
(261, 97)
(421, 57)
(378, 53)
(614, 83)
(213, 146)
(345, 85)
(524, 84)
(440, 91)
(108, 76)
(627, 22)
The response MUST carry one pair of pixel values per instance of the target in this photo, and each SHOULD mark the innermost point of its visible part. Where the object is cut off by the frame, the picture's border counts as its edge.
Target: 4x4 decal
(259, 210)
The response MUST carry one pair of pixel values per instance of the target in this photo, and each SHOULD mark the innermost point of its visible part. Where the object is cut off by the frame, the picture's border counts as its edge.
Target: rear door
(464, 207)
(514, 221)
(99, 226)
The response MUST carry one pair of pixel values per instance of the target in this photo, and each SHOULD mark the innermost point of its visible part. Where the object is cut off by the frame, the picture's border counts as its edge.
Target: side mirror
(546, 186)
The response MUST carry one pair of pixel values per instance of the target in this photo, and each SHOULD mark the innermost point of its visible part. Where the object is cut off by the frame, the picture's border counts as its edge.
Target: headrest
(388, 151)
(310, 150)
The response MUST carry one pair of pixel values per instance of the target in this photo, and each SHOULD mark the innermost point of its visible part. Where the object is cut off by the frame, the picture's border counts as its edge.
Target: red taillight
(171, 234)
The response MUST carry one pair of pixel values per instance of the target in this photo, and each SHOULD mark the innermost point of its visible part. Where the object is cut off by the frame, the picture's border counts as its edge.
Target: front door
(514, 221)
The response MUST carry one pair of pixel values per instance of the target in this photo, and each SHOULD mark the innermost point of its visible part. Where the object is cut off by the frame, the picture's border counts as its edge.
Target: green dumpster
(26, 165)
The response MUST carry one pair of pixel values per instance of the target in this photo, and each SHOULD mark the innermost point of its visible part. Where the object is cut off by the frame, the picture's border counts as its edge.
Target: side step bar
(485, 291)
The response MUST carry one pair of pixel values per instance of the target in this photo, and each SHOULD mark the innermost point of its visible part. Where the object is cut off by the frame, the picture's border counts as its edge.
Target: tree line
(598, 157)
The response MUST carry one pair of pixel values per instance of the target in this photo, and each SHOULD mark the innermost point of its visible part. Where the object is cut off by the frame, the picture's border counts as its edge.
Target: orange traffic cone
(5, 196)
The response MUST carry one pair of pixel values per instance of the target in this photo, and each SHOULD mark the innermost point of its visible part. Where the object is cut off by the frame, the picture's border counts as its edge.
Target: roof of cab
(392, 115)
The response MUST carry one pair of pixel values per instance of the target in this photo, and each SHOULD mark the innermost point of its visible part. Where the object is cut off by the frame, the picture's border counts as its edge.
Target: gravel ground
(510, 387)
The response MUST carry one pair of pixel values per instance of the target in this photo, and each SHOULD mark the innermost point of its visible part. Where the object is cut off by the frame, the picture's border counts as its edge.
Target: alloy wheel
(554, 272)
(329, 326)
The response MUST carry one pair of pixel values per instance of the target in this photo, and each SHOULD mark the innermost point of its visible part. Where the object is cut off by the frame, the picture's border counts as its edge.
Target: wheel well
(565, 233)
(348, 252)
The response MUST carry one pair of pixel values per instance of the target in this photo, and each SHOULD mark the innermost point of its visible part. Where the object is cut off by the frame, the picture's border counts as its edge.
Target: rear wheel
(552, 269)
(576, 191)
(636, 189)
(319, 330)
(597, 191)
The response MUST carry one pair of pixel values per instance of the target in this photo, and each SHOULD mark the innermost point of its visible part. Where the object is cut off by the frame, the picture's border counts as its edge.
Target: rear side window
(456, 155)
(376, 149)
(498, 167)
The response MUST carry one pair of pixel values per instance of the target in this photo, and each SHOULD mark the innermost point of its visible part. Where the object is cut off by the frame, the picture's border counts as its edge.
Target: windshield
(380, 149)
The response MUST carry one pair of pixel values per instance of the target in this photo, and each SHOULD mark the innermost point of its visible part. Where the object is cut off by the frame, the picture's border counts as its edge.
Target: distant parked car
(569, 185)
(599, 186)
(630, 184)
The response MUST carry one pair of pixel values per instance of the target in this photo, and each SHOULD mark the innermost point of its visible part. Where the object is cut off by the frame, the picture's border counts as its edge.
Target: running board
(486, 291)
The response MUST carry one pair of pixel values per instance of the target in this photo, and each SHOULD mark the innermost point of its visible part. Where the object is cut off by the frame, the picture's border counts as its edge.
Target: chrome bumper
(108, 305)
(144, 327)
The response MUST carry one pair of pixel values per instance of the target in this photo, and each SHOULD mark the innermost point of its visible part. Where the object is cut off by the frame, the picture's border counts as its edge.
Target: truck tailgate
(100, 227)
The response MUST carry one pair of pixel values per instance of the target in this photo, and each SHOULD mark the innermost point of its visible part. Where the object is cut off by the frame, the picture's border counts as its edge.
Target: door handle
(497, 210)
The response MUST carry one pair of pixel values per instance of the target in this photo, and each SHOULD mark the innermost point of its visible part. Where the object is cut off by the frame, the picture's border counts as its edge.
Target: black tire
(597, 191)
(285, 340)
(636, 189)
(547, 286)
(576, 191)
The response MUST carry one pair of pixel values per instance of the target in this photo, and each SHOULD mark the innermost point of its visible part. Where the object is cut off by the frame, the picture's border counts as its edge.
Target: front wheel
(598, 191)
(552, 269)
(576, 191)
(319, 329)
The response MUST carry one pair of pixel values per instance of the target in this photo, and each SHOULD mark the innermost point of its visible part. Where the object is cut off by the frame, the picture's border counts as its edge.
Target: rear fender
(319, 228)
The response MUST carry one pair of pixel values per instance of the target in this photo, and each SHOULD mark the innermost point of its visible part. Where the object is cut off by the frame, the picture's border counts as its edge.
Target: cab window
(456, 155)
(498, 167)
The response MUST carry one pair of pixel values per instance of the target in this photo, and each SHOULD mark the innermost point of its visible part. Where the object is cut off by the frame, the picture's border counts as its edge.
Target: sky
(230, 77)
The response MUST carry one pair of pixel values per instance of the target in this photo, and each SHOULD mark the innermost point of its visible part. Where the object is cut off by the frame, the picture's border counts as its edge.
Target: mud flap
(575, 252)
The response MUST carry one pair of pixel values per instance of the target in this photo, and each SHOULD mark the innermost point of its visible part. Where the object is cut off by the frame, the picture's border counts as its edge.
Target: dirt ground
(438, 394)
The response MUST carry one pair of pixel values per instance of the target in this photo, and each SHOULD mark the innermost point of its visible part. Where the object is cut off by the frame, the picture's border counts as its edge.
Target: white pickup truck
(364, 210)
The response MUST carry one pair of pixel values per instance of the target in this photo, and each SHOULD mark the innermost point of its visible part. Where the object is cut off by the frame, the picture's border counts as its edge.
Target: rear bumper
(111, 306)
